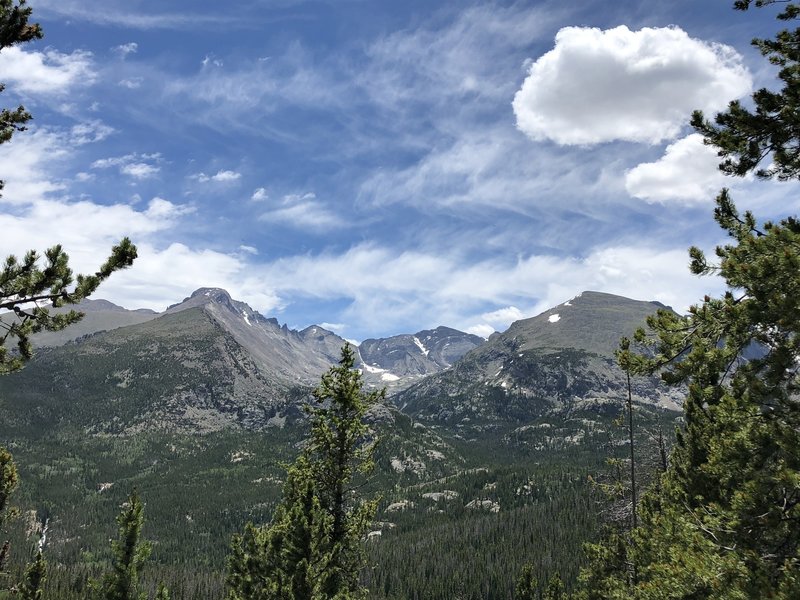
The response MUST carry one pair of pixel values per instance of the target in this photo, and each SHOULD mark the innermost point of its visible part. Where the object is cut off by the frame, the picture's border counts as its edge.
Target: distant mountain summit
(591, 321)
(99, 315)
(413, 356)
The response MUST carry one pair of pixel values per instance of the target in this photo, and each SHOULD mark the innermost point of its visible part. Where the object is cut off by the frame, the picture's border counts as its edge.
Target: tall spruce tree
(725, 521)
(313, 547)
(32, 588)
(129, 554)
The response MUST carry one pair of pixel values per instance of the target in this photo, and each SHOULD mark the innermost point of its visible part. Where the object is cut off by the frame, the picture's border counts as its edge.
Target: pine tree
(554, 589)
(723, 522)
(15, 29)
(162, 593)
(35, 574)
(527, 584)
(313, 548)
(129, 556)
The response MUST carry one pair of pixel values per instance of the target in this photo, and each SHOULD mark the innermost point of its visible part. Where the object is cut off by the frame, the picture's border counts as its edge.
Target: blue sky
(380, 167)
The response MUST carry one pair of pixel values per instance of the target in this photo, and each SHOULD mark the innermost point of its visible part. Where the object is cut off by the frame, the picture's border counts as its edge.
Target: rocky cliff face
(400, 360)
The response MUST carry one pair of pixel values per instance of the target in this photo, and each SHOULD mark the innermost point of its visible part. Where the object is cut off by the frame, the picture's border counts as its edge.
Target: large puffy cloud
(603, 85)
(688, 172)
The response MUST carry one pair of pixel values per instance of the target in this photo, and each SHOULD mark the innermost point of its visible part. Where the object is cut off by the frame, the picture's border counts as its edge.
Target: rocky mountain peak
(216, 294)
(204, 296)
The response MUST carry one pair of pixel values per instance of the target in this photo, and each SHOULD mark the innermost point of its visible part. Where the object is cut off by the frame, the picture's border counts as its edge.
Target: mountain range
(210, 361)
(201, 405)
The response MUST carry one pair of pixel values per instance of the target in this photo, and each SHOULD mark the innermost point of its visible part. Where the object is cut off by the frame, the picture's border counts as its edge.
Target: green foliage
(527, 584)
(162, 593)
(35, 574)
(745, 137)
(723, 521)
(8, 482)
(15, 29)
(25, 286)
(528, 587)
(129, 555)
(313, 549)
(554, 589)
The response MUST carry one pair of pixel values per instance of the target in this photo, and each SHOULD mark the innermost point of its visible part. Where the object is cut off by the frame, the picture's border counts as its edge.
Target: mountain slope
(99, 315)
(294, 357)
(559, 360)
(179, 371)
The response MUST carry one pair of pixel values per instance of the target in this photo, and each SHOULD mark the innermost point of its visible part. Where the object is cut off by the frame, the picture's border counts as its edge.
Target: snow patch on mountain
(554, 318)
(421, 346)
(384, 373)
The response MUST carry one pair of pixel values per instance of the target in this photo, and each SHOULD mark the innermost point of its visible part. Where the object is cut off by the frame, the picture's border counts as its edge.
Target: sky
(380, 167)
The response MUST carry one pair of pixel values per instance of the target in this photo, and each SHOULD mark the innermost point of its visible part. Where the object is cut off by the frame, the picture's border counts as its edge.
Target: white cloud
(83, 176)
(335, 327)
(389, 289)
(688, 172)
(139, 170)
(597, 86)
(226, 176)
(249, 249)
(220, 177)
(164, 210)
(303, 211)
(483, 331)
(160, 277)
(132, 83)
(259, 195)
(126, 49)
(210, 60)
(504, 316)
(90, 132)
(48, 72)
(135, 165)
(25, 162)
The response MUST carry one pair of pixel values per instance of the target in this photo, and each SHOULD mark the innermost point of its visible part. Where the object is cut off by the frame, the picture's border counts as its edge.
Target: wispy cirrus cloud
(136, 14)
(390, 289)
(303, 211)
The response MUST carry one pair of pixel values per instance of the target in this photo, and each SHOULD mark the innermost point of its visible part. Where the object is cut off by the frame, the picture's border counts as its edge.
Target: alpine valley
(485, 455)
